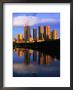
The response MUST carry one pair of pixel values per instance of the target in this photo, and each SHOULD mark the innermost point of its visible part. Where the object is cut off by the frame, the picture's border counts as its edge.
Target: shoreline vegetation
(51, 47)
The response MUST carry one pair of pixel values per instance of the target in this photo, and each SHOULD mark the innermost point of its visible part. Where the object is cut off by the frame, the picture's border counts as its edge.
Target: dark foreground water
(30, 63)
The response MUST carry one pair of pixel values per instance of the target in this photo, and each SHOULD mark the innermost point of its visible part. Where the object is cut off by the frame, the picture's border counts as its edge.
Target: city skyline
(44, 34)
(50, 19)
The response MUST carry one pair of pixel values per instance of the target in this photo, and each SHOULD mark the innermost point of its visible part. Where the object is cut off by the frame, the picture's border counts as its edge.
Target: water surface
(31, 63)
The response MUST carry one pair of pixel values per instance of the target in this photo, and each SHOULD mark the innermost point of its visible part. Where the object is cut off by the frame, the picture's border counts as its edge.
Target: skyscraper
(35, 34)
(50, 35)
(41, 33)
(47, 33)
(55, 34)
(20, 37)
(26, 33)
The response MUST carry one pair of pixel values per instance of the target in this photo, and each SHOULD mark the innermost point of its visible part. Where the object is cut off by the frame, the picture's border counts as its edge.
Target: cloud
(51, 20)
(44, 20)
(24, 20)
(31, 20)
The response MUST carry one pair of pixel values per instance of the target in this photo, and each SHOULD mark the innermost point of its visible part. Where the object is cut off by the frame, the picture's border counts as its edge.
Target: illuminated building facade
(55, 34)
(44, 33)
(35, 34)
(41, 33)
(26, 33)
(20, 37)
(30, 39)
(47, 33)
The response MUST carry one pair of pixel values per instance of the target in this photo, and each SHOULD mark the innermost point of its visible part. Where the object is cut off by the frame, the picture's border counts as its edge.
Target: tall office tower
(35, 34)
(47, 33)
(20, 37)
(55, 34)
(26, 33)
(30, 39)
(41, 33)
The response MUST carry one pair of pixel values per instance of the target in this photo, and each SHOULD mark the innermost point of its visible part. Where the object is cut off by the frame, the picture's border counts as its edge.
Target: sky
(34, 20)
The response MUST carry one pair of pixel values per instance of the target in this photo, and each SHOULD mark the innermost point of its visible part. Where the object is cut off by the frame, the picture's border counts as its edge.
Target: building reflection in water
(20, 53)
(35, 57)
(38, 57)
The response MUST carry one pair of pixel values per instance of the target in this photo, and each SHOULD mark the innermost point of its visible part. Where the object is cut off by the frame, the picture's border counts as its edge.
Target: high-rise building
(55, 34)
(30, 39)
(47, 33)
(35, 34)
(20, 37)
(26, 33)
(41, 33)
